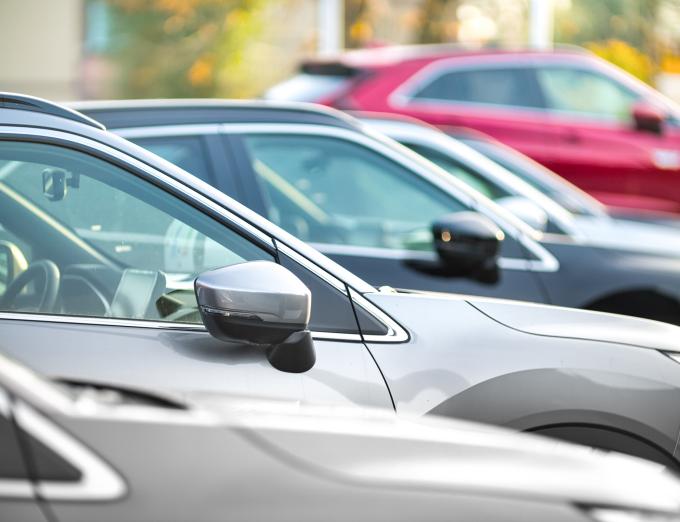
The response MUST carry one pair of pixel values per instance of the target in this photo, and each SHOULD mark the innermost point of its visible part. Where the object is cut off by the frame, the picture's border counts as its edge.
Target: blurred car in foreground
(582, 117)
(106, 454)
(122, 269)
(385, 214)
(528, 197)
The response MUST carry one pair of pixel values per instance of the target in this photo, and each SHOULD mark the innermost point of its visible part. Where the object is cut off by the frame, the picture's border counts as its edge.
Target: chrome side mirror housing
(259, 303)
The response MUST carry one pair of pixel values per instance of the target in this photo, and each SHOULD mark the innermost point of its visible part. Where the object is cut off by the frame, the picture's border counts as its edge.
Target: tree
(182, 48)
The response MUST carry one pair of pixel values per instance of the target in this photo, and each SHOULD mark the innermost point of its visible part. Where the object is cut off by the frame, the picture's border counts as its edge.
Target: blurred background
(90, 49)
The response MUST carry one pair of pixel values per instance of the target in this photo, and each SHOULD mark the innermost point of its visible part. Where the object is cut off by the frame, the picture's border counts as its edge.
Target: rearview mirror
(648, 117)
(259, 303)
(526, 210)
(468, 243)
(54, 184)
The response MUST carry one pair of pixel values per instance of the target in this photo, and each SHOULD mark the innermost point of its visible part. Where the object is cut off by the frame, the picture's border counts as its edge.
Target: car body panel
(191, 360)
(321, 462)
(450, 373)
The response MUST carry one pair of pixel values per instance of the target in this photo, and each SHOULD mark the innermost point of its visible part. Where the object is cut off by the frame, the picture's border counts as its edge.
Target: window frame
(202, 203)
(543, 261)
(404, 95)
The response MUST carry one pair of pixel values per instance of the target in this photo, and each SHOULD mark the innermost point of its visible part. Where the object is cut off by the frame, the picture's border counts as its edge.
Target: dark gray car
(108, 275)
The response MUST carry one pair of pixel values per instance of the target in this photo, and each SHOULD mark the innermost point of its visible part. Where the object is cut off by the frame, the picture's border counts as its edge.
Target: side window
(332, 310)
(187, 152)
(106, 242)
(12, 464)
(330, 190)
(16, 444)
(586, 93)
(509, 86)
(464, 174)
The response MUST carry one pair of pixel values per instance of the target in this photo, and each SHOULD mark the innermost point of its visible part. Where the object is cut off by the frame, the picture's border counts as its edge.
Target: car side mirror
(12, 262)
(648, 117)
(259, 303)
(526, 210)
(467, 243)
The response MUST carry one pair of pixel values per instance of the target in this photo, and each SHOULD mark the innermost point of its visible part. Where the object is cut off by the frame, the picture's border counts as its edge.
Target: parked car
(580, 116)
(530, 200)
(372, 205)
(130, 272)
(553, 185)
(108, 454)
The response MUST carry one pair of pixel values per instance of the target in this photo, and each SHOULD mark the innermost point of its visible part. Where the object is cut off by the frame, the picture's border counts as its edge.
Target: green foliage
(182, 48)
(622, 32)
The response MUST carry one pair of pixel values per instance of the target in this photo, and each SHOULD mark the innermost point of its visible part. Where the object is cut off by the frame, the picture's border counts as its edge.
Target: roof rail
(10, 100)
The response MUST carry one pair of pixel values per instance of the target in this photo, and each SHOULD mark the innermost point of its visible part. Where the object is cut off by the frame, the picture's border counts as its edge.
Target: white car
(547, 203)
(79, 453)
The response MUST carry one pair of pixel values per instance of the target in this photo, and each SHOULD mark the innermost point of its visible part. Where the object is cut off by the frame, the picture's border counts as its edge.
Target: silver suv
(118, 267)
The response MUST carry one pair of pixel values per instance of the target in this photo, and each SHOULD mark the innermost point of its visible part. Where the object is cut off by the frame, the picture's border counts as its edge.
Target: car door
(599, 148)
(122, 244)
(365, 210)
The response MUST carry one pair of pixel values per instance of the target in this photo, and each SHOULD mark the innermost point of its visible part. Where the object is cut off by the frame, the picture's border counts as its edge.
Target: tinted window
(116, 239)
(510, 86)
(331, 309)
(467, 176)
(329, 190)
(586, 93)
(187, 152)
(15, 445)
(12, 465)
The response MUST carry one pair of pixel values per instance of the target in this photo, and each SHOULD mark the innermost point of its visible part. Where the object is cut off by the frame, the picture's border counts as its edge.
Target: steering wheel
(44, 270)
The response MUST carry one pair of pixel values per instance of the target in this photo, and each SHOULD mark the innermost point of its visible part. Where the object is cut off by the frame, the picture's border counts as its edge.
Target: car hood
(555, 321)
(533, 318)
(628, 235)
(379, 448)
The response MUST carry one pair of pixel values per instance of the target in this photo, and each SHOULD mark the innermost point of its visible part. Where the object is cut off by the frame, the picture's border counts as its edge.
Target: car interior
(78, 238)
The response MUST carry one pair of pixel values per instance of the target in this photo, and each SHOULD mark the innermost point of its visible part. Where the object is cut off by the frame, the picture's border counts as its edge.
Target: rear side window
(510, 86)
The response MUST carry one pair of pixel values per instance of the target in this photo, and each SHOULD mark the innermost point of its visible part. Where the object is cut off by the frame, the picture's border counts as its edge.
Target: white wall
(41, 42)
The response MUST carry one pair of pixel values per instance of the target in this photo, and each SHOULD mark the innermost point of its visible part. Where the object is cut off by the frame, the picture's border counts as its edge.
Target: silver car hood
(379, 448)
(554, 321)
(633, 236)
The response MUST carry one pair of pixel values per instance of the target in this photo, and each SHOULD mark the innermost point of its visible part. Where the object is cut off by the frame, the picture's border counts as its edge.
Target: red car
(580, 116)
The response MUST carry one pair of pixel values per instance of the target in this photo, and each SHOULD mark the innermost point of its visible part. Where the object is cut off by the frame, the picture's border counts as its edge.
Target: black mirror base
(294, 355)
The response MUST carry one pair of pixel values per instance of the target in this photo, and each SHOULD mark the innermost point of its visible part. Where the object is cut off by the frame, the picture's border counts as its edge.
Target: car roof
(391, 55)
(144, 113)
